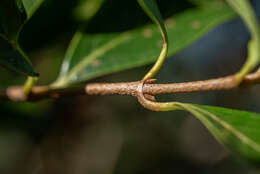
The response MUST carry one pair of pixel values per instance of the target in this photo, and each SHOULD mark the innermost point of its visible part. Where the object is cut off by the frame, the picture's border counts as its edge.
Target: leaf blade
(31, 6)
(87, 9)
(238, 130)
(13, 15)
(14, 59)
(94, 55)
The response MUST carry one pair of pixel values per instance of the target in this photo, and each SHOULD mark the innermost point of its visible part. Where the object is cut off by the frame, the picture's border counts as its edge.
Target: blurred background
(114, 134)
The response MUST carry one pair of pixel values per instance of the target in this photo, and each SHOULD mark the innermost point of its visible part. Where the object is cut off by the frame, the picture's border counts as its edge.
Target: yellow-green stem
(151, 9)
(158, 64)
(30, 82)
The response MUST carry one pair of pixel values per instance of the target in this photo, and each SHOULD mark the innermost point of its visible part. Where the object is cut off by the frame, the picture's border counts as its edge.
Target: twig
(15, 93)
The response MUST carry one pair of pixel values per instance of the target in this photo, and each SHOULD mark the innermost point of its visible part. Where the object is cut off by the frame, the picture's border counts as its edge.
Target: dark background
(114, 134)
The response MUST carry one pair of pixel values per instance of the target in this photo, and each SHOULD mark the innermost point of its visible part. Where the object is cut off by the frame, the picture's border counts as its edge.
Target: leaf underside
(238, 130)
(13, 15)
(12, 59)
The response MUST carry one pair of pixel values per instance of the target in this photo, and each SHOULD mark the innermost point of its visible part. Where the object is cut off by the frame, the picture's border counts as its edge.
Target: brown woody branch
(15, 93)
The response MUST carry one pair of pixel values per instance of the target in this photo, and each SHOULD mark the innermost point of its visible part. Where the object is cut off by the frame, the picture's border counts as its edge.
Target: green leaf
(31, 6)
(11, 18)
(87, 9)
(91, 56)
(13, 15)
(12, 58)
(238, 130)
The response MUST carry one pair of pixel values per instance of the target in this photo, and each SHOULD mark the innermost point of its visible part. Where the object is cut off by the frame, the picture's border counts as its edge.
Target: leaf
(13, 59)
(13, 15)
(31, 6)
(238, 130)
(87, 9)
(91, 56)
(11, 19)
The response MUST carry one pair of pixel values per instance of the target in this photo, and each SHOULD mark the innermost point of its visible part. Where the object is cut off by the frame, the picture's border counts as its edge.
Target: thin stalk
(30, 82)
(246, 12)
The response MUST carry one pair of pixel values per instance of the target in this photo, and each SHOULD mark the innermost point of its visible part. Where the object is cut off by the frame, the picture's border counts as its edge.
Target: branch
(15, 93)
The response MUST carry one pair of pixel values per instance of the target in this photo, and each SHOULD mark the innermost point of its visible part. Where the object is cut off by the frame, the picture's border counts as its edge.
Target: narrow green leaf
(238, 130)
(96, 55)
(13, 15)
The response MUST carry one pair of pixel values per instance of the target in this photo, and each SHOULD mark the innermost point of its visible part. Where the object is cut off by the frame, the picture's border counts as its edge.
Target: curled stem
(153, 105)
